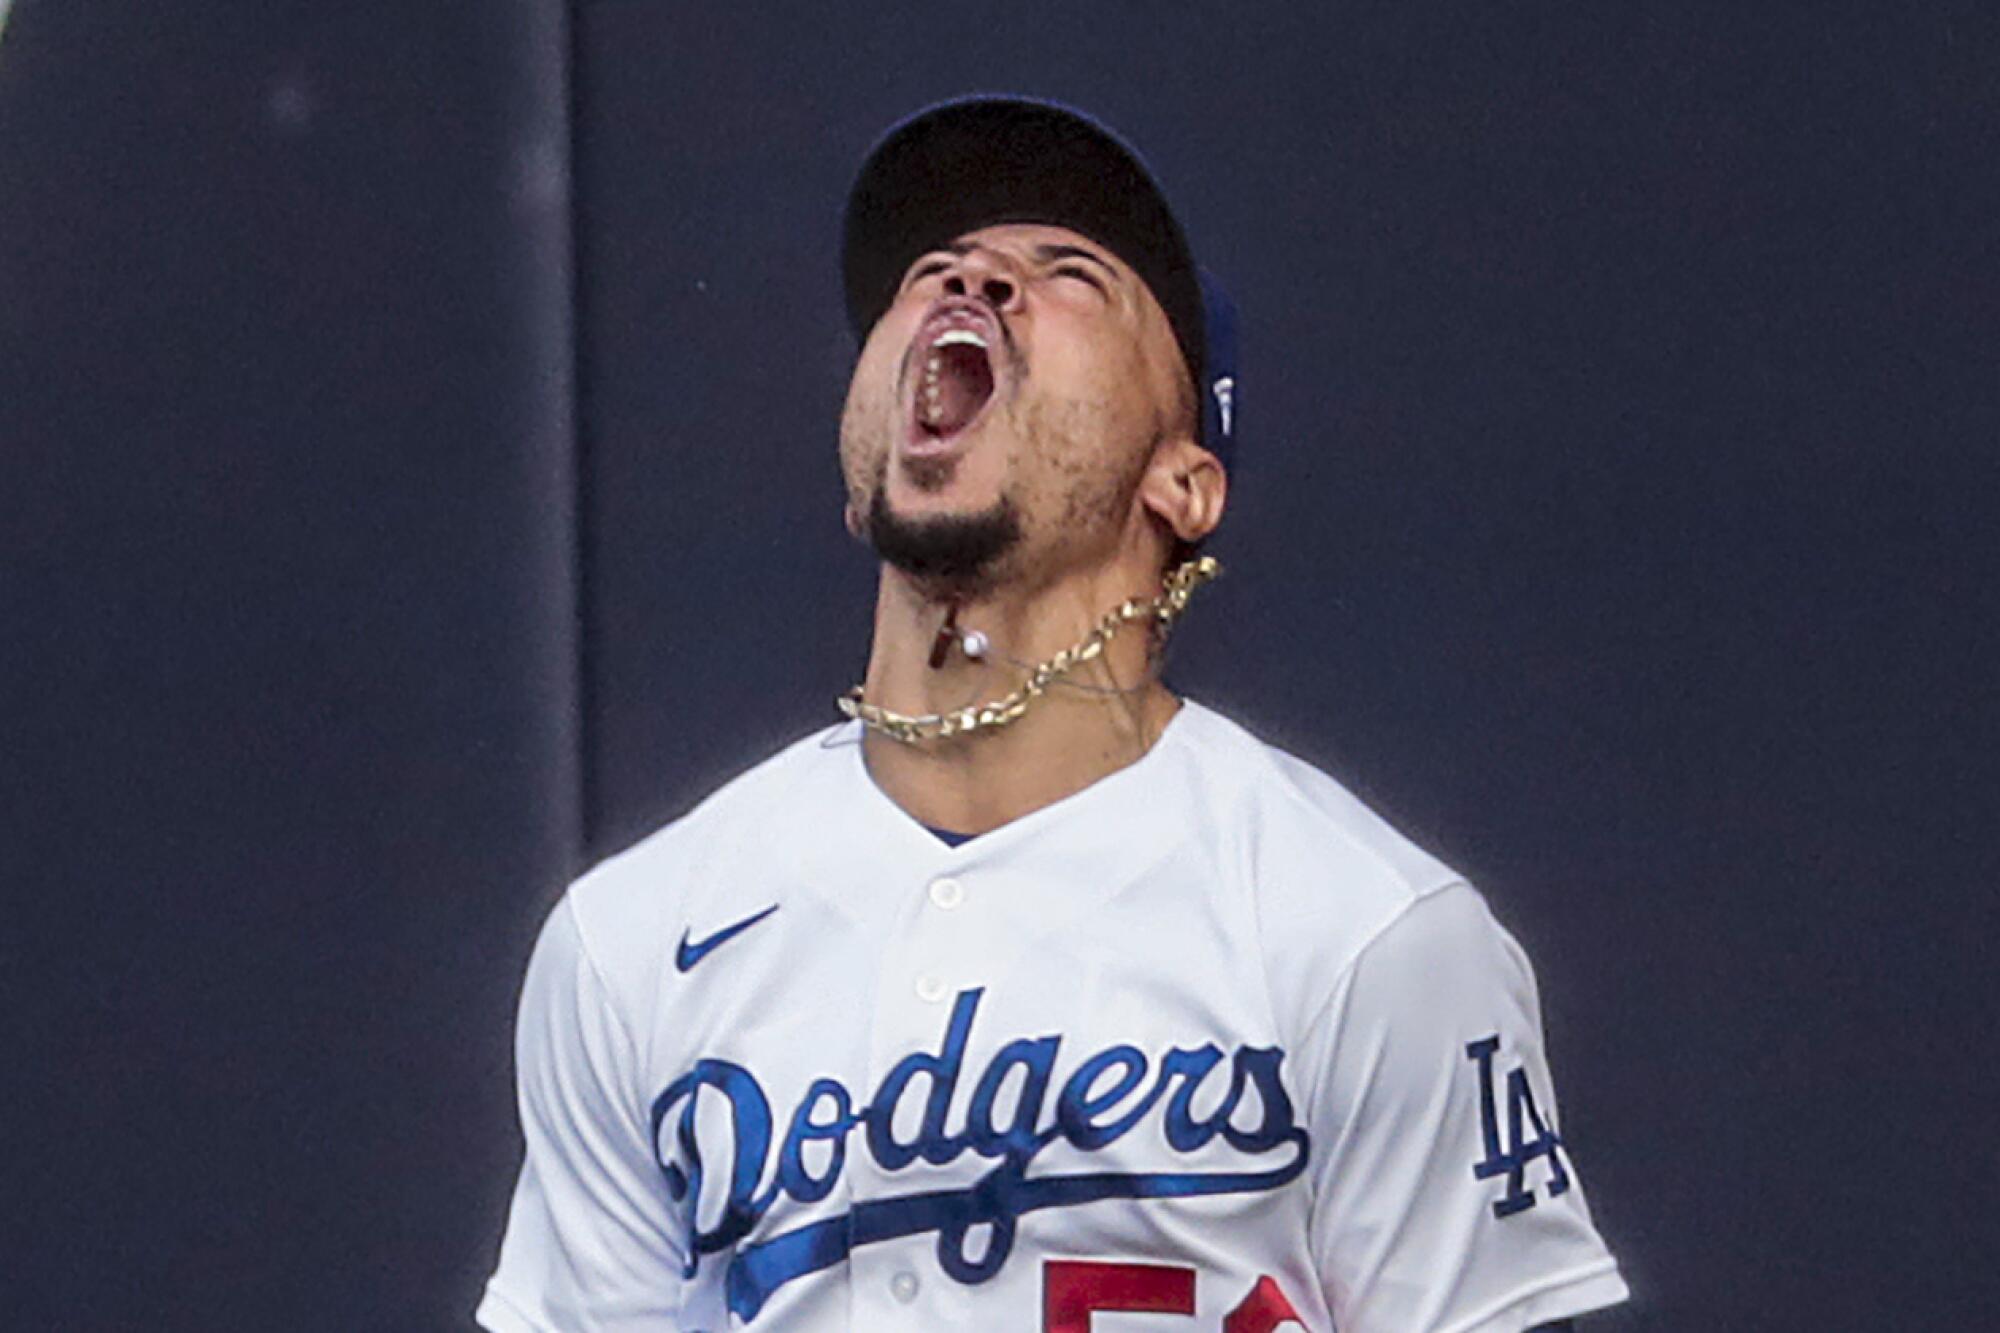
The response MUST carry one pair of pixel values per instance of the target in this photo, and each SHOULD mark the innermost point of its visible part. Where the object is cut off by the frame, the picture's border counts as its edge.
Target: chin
(944, 542)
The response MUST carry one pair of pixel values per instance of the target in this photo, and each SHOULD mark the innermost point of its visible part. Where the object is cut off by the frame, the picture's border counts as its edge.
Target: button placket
(947, 938)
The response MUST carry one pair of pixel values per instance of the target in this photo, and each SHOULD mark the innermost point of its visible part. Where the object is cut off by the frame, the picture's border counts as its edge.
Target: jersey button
(903, 1286)
(947, 893)
(930, 989)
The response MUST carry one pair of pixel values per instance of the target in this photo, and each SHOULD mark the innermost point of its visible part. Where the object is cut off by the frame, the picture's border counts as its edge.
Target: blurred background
(418, 426)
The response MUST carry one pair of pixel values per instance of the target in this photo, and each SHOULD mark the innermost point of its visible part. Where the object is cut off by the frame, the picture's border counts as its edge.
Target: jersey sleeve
(1446, 1199)
(587, 1248)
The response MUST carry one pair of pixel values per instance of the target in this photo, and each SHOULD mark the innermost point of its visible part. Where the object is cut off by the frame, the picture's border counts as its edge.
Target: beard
(959, 553)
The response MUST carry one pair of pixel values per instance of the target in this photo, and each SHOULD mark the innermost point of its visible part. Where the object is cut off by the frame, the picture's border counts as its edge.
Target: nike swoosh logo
(691, 953)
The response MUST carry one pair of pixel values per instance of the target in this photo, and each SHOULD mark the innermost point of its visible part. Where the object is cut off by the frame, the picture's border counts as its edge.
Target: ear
(1185, 487)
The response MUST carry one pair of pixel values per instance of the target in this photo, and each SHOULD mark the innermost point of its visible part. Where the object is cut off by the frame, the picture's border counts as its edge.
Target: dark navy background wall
(287, 751)
(1618, 404)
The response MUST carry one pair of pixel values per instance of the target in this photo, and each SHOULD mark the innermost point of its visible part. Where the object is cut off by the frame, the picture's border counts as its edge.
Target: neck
(1106, 713)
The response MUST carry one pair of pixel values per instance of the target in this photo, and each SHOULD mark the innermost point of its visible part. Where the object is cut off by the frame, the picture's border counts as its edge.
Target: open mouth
(954, 383)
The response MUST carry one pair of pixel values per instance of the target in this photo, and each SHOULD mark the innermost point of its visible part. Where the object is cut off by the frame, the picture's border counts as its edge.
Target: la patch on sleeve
(1529, 1136)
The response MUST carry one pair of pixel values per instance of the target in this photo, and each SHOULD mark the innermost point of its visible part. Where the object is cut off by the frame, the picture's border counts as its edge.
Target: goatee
(954, 552)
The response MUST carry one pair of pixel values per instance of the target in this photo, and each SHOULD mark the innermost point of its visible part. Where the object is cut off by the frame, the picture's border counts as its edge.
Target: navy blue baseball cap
(981, 161)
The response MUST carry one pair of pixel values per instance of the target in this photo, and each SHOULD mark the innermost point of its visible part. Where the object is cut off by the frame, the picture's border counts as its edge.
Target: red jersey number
(1073, 1288)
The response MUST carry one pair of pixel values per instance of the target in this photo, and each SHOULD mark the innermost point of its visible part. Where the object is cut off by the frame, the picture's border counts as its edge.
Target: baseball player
(1032, 997)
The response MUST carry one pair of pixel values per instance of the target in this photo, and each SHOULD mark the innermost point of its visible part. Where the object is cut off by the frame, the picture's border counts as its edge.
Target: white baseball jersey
(1206, 1045)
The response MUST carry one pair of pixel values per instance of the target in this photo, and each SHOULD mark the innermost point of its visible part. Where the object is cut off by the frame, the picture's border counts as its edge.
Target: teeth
(933, 402)
(960, 338)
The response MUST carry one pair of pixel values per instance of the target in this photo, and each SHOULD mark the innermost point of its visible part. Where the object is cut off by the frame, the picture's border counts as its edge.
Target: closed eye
(1081, 274)
(930, 265)
(1074, 261)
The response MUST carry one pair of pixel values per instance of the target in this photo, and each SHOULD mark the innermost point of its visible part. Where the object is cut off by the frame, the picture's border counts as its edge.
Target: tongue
(965, 382)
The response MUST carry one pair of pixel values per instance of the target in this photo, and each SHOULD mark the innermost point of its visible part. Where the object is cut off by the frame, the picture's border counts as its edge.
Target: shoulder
(1324, 873)
(1299, 823)
(629, 907)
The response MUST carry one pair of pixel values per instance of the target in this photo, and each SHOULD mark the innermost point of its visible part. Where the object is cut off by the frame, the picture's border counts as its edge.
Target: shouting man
(1033, 991)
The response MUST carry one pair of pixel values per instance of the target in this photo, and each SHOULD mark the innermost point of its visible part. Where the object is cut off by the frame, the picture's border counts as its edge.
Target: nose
(980, 273)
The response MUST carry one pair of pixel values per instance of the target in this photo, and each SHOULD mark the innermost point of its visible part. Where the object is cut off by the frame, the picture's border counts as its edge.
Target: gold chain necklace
(1163, 610)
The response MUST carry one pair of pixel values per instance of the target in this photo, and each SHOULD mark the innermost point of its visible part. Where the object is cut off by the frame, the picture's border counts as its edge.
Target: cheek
(1095, 411)
(873, 375)
(1102, 363)
(1081, 463)
(871, 395)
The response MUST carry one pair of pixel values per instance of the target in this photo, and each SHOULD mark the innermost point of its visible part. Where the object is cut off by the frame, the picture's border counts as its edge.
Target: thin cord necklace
(1163, 610)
